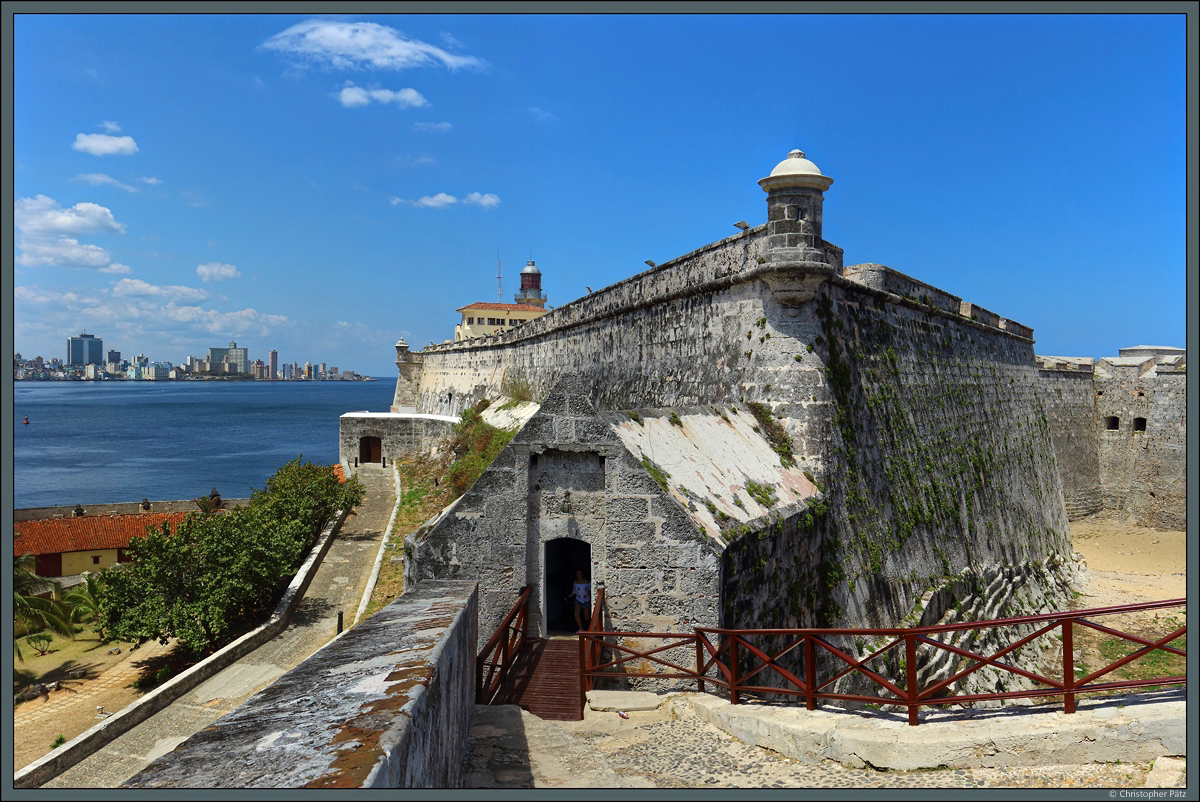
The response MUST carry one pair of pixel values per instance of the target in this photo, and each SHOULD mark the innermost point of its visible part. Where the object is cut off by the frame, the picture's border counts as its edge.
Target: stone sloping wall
(566, 478)
(1069, 398)
(386, 704)
(938, 460)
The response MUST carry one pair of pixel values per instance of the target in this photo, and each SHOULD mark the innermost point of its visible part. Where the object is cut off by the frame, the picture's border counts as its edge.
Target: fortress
(756, 435)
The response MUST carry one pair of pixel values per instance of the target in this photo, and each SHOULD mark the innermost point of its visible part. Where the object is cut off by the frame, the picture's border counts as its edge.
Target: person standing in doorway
(581, 594)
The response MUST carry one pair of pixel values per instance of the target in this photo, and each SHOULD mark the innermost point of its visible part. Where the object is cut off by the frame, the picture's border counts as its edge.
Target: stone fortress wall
(1120, 429)
(1142, 431)
(1068, 393)
(919, 417)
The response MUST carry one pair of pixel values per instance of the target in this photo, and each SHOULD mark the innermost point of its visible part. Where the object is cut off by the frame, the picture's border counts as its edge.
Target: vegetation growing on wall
(517, 388)
(659, 476)
(474, 446)
(777, 436)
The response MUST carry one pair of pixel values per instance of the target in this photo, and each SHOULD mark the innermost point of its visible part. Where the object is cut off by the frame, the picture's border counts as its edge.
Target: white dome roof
(530, 268)
(795, 171)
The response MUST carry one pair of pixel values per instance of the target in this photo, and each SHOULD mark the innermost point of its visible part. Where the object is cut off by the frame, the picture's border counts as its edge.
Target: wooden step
(544, 680)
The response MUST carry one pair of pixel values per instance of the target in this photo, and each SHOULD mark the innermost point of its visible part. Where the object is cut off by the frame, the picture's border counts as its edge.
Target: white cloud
(541, 115)
(151, 180)
(63, 252)
(110, 126)
(105, 145)
(351, 45)
(352, 96)
(136, 288)
(145, 315)
(98, 179)
(216, 271)
(438, 128)
(485, 199)
(435, 201)
(44, 230)
(243, 321)
(42, 216)
(116, 267)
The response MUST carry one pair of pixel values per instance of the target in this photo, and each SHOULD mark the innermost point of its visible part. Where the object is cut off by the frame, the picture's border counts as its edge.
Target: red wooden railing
(497, 656)
(590, 649)
(730, 659)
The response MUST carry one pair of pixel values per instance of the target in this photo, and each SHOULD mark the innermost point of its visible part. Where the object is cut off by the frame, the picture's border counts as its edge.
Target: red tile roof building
(61, 544)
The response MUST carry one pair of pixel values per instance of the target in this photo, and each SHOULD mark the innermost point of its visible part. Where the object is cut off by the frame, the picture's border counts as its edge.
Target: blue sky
(324, 185)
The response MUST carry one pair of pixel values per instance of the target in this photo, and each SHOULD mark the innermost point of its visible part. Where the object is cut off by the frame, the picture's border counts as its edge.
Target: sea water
(110, 441)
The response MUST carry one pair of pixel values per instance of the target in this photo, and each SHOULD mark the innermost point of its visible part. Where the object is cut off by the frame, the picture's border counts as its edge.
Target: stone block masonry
(552, 503)
(394, 434)
(1068, 392)
(386, 704)
(1141, 428)
(1119, 428)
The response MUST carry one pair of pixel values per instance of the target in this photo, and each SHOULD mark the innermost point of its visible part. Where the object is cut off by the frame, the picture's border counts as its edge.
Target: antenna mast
(499, 292)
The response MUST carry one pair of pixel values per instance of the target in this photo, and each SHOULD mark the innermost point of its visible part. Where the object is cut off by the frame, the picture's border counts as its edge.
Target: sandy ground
(1129, 564)
(1126, 564)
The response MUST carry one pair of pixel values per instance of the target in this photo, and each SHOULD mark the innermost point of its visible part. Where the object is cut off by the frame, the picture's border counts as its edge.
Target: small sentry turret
(794, 197)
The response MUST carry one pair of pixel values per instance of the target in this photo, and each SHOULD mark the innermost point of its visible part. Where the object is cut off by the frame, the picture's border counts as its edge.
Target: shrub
(39, 641)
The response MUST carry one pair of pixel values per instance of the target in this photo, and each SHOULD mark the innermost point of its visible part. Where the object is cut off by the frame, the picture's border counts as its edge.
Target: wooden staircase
(544, 680)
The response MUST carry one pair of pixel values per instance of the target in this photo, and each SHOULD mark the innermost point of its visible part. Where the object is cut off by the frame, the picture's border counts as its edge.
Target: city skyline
(90, 349)
(335, 183)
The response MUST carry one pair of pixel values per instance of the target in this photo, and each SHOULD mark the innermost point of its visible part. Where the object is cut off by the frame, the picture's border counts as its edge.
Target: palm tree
(84, 600)
(33, 611)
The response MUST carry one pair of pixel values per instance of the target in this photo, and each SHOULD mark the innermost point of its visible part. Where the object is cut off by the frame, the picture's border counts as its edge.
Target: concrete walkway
(672, 742)
(338, 586)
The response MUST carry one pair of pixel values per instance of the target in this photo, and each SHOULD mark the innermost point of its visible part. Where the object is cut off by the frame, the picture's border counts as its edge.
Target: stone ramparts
(1068, 394)
(386, 704)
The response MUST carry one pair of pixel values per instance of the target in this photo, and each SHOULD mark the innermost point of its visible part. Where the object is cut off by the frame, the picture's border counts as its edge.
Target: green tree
(219, 573)
(36, 612)
(83, 600)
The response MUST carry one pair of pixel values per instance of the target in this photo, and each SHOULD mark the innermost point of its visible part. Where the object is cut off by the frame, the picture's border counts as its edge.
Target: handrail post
(585, 667)
(1068, 662)
(910, 670)
(699, 662)
(733, 671)
(810, 673)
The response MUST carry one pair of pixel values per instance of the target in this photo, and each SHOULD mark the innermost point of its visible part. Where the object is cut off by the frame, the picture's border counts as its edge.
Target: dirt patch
(1128, 565)
(33, 740)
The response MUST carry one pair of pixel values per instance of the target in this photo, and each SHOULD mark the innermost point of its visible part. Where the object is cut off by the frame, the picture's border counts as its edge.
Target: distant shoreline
(209, 379)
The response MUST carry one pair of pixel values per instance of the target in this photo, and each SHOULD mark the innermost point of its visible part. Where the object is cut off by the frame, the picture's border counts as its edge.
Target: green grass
(1149, 666)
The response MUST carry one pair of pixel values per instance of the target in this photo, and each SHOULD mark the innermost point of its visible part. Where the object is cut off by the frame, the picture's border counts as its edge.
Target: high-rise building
(235, 356)
(86, 349)
(272, 364)
(113, 356)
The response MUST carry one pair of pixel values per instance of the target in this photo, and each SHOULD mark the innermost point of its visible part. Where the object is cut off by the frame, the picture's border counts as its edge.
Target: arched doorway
(561, 558)
(370, 449)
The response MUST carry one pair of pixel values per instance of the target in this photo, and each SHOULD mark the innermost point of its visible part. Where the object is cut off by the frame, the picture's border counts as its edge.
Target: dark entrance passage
(563, 557)
(370, 449)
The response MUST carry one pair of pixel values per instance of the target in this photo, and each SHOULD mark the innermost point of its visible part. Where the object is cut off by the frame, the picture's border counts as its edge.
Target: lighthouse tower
(795, 191)
(531, 287)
